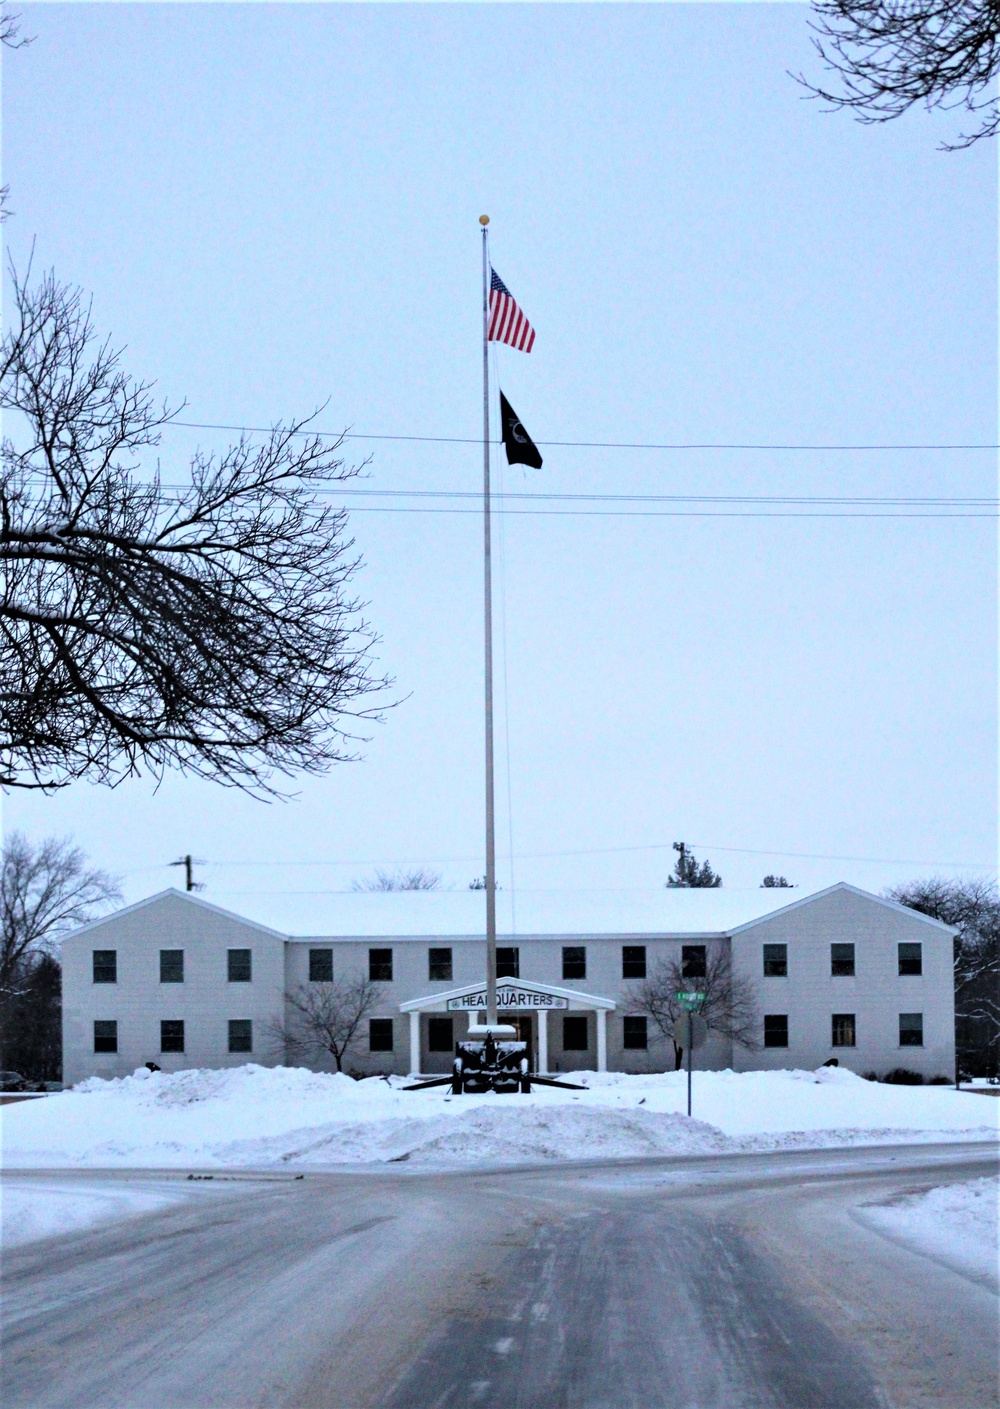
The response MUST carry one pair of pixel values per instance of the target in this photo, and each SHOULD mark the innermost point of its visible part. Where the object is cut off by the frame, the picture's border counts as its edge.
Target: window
(633, 961)
(321, 966)
(105, 1036)
(105, 965)
(843, 1030)
(634, 1034)
(380, 965)
(693, 961)
(574, 961)
(776, 962)
(911, 959)
(240, 966)
(380, 1034)
(508, 963)
(575, 1033)
(842, 960)
(911, 1029)
(171, 965)
(240, 1035)
(438, 964)
(171, 1037)
(439, 1035)
(776, 1029)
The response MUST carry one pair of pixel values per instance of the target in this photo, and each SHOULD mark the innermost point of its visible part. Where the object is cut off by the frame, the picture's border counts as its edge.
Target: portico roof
(565, 997)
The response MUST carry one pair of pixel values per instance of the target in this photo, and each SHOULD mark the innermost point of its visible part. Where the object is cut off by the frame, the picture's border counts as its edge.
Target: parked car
(12, 1081)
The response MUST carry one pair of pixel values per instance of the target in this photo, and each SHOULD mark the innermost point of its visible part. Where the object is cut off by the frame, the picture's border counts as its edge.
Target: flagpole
(491, 864)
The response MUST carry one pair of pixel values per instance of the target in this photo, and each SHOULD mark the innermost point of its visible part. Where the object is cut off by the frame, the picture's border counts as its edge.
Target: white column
(414, 1044)
(543, 1041)
(602, 1039)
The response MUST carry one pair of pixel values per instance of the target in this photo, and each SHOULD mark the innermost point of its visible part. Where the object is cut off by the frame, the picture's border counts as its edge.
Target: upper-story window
(171, 965)
(574, 961)
(380, 965)
(633, 961)
(439, 964)
(508, 962)
(842, 960)
(321, 966)
(911, 958)
(775, 960)
(105, 965)
(240, 965)
(694, 961)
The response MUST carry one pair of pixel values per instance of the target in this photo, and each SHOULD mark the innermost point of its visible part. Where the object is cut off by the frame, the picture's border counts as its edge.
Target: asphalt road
(708, 1283)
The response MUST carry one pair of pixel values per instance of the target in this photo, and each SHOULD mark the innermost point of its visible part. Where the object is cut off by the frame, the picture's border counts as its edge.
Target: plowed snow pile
(956, 1223)
(263, 1116)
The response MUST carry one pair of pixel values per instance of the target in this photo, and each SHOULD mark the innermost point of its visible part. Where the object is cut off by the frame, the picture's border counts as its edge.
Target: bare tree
(45, 891)
(973, 907)
(326, 1018)
(729, 1006)
(891, 55)
(419, 879)
(204, 626)
(10, 38)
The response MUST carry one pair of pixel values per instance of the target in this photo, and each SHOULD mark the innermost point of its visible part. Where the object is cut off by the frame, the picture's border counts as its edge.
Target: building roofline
(854, 890)
(172, 893)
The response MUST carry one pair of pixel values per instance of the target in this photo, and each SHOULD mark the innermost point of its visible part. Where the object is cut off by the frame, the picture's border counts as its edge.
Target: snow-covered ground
(43, 1209)
(955, 1222)
(254, 1116)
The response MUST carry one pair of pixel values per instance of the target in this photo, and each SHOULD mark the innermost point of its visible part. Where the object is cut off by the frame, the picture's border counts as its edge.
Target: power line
(587, 444)
(614, 850)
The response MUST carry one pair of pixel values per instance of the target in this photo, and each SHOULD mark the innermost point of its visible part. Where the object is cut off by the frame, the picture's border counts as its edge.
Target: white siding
(205, 1001)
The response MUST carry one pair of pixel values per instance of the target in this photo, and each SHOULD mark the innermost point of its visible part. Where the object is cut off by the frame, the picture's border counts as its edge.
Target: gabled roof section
(853, 890)
(187, 899)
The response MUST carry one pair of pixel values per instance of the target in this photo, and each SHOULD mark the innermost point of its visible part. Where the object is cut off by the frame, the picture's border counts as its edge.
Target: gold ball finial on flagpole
(484, 220)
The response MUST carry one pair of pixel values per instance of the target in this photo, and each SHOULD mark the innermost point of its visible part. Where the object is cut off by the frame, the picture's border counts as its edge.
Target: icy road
(726, 1282)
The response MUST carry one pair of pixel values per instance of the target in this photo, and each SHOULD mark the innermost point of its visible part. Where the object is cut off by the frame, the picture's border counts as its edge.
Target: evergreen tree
(687, 871)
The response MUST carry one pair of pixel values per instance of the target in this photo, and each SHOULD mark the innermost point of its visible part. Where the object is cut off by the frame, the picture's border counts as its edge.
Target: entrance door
(525, 1032)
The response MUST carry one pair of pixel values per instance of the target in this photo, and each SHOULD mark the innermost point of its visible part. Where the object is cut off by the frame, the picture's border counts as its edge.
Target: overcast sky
(277, 207)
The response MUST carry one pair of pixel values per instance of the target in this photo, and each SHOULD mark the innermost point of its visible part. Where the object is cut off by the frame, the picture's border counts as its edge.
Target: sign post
(690, 1031)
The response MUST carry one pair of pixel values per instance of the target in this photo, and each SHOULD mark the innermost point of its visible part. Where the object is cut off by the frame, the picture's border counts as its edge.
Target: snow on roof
(552, 912)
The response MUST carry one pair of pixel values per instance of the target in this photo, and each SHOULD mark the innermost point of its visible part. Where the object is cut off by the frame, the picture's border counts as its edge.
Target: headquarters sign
(507, 997)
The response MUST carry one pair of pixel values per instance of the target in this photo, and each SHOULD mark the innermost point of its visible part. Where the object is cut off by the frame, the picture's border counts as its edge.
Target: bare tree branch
(973, 907)
(326, 1018)
(206, 627)
(730, 1004)
(891, 55)
(418, 879)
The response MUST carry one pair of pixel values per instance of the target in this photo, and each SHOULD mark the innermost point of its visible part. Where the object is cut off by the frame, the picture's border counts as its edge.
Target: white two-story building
(839, 974)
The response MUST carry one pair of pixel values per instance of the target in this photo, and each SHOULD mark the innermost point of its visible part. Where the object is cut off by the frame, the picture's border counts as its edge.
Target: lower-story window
(911, 1029)
(634, 1033)
(775, 1029)
(844, 1034)
(240, 1035)
(575, 1033)
(439, 1035)
(380, 1035)
(105, 1036)
(171, 1036)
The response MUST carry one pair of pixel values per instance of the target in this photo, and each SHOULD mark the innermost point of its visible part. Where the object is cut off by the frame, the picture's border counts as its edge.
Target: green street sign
(690, 1000)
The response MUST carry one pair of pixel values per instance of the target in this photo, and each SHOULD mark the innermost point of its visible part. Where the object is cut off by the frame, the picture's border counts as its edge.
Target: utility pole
(189, 862)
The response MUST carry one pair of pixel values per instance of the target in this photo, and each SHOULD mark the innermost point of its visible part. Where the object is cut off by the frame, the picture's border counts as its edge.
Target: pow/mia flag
(521, 449)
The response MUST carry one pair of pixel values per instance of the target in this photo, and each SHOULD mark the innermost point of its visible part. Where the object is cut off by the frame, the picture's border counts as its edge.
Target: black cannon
(491, 1066)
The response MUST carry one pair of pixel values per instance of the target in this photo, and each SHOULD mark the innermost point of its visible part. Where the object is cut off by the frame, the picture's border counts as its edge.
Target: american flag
(507, 323)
